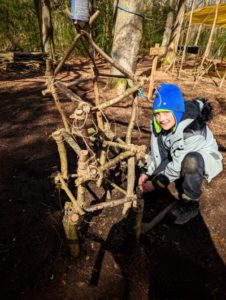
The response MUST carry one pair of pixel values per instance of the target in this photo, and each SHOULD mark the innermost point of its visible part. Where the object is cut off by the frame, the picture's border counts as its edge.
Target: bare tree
(175, 36)
(169, 25)
(43, 11)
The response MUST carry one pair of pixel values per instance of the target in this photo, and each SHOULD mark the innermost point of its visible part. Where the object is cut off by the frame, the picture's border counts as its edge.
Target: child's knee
(192, 162)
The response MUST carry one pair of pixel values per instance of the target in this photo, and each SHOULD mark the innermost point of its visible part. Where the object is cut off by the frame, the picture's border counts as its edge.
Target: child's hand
(142, 179)
(147, 187)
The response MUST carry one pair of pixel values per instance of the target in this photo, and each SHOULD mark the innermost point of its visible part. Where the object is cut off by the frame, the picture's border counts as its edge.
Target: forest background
(20, 28)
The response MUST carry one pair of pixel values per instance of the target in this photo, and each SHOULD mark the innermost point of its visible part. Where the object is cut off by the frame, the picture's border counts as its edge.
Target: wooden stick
(102, 161)
(58, 106)
(222, 79)
(64, 187)
(69, 223)
(119, 98)
(208, 46)
(97, 101)
(186, 39)
(130, 75)
(68, 93)
(108, 204)
(116, 160)
(71, 141)
(148, 226)
(118, 188)
(93, 17)
(57, 135)
(82, 167)
(131, 160)
(68, 53)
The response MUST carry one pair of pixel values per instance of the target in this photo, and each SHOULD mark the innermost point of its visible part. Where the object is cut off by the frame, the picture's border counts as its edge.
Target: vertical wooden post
(70, 221)
(82, 168)
(97, 101)
(131, 160)
(155, 52)
(57, 135)
(208, 46)
(186, 39)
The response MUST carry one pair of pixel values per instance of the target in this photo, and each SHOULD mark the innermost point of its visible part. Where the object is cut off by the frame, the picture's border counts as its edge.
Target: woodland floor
(171, 262)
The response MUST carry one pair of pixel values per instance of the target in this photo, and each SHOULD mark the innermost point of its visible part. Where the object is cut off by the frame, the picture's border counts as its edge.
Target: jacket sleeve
(173, 169)
(150, 164)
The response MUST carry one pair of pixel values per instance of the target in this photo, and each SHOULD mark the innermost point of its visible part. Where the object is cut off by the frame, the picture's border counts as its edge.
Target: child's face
(165, 119)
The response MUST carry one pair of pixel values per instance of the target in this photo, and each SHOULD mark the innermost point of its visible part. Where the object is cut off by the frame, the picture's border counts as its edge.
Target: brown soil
(171, 262)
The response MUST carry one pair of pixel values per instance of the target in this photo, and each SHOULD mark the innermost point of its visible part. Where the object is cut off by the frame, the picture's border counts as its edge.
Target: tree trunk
(127, 36)
(43, 11)
(172, 49)
(169, 26)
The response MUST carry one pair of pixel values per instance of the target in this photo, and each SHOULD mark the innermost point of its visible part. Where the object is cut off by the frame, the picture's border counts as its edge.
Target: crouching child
(183, 149)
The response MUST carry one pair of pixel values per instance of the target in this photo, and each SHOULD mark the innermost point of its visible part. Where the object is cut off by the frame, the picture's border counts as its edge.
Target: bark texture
(43, 11)
(127, 36)
(169, 25)
(174, 40)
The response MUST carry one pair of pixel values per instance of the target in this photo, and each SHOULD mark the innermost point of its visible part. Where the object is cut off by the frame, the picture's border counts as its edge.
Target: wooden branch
(57, 135)
(71, 141)
(130, 75)
(155, 52)
(94, 17)
(131, 160)
(82, 167)
(208, 46)
(68, 93)
(64, 187)
(119, 98)
(109, 204)
(148, 226)
(116, 160)
(68, 53)
(69, 223)
(78, 81)
(97, 101)
(186, 39)
(111, 75)
(102, 161)
(58, 106)
(118, 188)
(132, 122)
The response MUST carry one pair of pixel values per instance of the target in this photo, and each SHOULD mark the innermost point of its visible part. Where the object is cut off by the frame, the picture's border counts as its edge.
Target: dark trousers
(192, 171)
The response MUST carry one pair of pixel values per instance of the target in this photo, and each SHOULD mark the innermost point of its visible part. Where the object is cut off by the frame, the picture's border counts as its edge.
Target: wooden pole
(68, 53)
(70, 222)
(208, 46)
(148, 226)
(70, 195)
(155, 52)
(58, 106)
(119, 98)
(97, 101)
(186, 39)
(131, 160)
(57, 135)
(82, 168)
(130, 75)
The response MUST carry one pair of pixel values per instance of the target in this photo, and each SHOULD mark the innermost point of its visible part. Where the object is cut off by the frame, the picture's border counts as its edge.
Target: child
(183, 149)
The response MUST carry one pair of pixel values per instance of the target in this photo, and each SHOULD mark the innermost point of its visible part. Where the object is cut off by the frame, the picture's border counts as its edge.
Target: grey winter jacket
(182, 142)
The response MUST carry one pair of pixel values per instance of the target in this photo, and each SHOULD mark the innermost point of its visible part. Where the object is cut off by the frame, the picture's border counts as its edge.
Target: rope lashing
(80, 10)
(130, 12)
(141, 94)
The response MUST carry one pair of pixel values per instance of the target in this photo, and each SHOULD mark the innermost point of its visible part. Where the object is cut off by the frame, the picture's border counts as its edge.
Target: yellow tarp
(206, 15)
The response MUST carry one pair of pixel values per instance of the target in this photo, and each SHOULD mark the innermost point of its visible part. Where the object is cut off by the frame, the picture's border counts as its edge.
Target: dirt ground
(171, 261)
